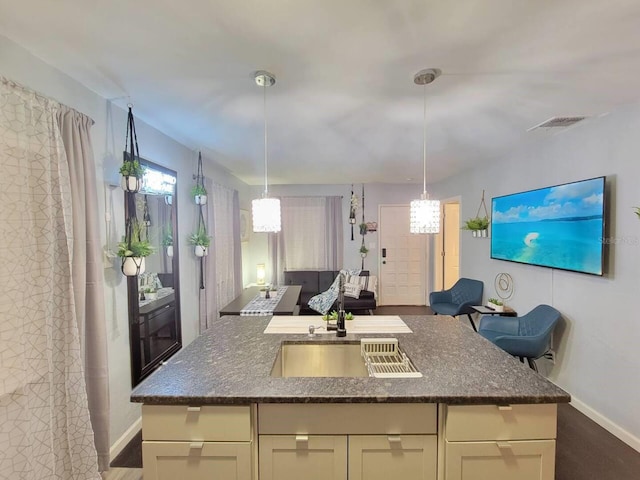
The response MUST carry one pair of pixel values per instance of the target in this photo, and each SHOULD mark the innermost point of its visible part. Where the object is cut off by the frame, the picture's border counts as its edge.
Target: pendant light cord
(424, 140)
(266, 188)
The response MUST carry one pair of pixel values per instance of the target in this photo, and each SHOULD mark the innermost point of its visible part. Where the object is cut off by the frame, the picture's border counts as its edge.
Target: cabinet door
(196, 461)
(381, 457)
(308, 457)
(522, 460)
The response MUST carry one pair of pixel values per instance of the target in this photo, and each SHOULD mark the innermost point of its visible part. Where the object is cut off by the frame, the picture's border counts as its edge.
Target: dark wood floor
(584, 450)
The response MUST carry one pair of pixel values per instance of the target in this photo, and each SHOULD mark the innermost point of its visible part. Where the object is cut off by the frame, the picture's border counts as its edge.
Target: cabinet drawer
(295, 457)
(344, 418)
(384, 457)
(207, 423)
(521, 460)
(196, 461)
(504, 422)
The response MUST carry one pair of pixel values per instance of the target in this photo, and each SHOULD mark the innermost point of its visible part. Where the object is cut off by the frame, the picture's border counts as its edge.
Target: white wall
(108, 138)
(598, 340)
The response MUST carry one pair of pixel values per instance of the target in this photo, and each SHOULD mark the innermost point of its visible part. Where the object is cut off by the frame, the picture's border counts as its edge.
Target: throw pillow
(352, 290)
(369, 283)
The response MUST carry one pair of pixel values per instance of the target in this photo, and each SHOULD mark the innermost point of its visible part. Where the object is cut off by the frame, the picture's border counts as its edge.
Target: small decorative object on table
(495, 304)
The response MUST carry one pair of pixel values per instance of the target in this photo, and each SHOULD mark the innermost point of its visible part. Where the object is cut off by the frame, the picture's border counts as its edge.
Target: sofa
(314, 282)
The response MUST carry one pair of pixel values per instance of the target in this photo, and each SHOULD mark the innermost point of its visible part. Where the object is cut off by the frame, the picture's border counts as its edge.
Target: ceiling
(344, 108)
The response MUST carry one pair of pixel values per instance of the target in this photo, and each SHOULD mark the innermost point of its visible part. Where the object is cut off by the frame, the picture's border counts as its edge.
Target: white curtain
(45, 430)
(311, 236)
(223, 278)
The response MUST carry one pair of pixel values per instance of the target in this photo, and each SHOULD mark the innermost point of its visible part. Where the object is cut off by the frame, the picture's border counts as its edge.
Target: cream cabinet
(355, 441)
(312, 457)
(500, 442)
(197, 443)
(381, 457)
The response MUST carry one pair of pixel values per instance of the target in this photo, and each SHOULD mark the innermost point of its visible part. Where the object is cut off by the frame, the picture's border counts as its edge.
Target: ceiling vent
(558, 122)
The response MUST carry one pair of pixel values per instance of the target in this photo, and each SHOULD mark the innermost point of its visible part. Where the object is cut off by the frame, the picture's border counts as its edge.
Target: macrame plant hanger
(352, 212)
(202, 227)
(363, 231)
(132, 154)
(482, 204)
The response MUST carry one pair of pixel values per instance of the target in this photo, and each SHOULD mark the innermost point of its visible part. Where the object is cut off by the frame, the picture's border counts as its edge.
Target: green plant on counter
(476, 223)
(495, 301)
(334, 316)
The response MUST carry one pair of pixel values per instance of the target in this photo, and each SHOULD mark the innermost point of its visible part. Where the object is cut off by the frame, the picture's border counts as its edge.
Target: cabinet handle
(505, 408)
(504, 445)
(302, 442)
(193, 409)
(394, 438)
(196, 445)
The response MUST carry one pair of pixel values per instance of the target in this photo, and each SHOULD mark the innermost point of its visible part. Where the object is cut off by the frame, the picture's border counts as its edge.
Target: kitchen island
(475, 410)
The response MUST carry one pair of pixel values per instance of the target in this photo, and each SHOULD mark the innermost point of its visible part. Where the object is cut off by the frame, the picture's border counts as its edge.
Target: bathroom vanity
(219, 409)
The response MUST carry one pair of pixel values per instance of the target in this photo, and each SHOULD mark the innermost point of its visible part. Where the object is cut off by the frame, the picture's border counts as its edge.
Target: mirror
(155, 332)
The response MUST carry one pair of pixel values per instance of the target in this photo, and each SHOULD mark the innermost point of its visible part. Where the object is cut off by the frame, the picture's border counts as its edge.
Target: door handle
(384, 253)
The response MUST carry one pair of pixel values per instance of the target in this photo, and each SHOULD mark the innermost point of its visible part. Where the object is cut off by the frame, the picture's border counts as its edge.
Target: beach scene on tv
(558, 227)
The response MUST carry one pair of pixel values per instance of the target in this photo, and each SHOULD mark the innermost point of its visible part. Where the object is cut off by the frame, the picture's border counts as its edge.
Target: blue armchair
(458, 299)
(524, 337)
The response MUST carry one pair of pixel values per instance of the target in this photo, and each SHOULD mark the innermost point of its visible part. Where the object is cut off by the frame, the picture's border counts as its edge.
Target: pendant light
(425, 213)
(265, 210)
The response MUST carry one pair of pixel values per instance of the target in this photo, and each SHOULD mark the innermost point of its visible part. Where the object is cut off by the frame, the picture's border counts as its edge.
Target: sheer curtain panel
(45, 429)
(311, 236)
(223, 280)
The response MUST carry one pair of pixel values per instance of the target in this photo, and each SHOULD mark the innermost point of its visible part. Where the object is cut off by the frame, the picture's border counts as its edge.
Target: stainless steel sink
(316, 359)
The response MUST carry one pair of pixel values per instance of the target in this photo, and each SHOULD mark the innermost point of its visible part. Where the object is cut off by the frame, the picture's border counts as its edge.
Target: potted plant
(363, 251)
(477, 225)
(167, 241)
(132, 173)
(199, 194)
(363, 228)
(150, 293)
(637, 211)
(133, 251)
(495, 304)
(201, 241)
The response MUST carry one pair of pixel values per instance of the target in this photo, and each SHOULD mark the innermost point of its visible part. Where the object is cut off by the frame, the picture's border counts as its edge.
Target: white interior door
(451, 241)
(402, 259)
(447, 246)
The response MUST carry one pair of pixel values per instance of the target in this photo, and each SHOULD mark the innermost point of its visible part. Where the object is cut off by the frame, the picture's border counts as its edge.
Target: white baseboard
(126, 437)
(604, 422)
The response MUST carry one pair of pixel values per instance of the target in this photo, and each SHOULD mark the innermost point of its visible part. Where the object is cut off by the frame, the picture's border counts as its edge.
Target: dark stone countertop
(231, 364)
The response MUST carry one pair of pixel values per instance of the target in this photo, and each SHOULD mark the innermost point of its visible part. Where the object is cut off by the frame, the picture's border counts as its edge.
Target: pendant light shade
(265, 210)
(266, 215)
(425, 213)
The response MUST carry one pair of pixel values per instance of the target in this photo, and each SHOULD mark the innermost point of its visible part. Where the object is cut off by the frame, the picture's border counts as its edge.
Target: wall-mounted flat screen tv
(558, 227)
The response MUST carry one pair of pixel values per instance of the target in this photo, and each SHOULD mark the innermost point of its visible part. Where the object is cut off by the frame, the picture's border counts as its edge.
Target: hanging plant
(199, 194)
(637, 211)
(478, 225)
(167, 241)
(363, 251)
(201, 241)
(133, 249)
(131, 170)
(363, 229)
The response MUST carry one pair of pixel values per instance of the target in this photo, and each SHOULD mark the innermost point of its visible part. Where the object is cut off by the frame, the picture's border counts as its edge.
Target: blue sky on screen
(579, 199)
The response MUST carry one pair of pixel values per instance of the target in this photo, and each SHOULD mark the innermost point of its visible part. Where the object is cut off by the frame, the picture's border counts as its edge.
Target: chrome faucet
(341, 330)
